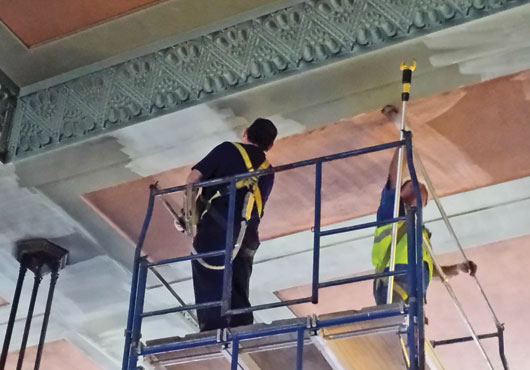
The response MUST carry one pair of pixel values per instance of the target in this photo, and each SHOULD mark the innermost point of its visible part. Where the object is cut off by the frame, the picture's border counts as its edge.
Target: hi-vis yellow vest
(382, 245)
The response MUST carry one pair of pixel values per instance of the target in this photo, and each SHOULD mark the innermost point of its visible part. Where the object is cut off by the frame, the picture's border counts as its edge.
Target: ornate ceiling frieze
(8, 103)
(291, 40)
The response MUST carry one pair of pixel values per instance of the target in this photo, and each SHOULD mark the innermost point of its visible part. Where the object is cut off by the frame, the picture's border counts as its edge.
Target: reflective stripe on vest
(382, 244)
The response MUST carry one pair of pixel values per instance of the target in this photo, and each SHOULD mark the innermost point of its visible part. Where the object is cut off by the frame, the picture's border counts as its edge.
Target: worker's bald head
(409, 198)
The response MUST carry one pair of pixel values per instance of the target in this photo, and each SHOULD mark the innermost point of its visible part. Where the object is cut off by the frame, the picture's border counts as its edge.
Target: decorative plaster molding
(291, 40)
(8, 103)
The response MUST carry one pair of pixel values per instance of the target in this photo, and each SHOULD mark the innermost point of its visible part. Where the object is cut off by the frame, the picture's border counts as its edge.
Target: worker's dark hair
(262, 132)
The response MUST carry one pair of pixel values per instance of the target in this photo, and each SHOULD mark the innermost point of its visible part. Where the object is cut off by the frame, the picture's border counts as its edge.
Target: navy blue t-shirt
(386, 205)
(226, 160)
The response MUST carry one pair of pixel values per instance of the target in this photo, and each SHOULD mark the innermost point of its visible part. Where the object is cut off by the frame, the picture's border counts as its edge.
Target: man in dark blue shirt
(229, 159)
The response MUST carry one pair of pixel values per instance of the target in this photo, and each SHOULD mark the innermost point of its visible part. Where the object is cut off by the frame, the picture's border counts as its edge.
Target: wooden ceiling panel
(468, 138)
(35, 22)
(57, 355)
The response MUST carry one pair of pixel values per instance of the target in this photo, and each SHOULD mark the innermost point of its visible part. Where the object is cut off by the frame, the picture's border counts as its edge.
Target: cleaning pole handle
(407, 79)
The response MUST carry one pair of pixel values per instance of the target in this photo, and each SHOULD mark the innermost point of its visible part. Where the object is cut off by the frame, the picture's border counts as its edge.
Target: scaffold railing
(413, 350)
(413, 310)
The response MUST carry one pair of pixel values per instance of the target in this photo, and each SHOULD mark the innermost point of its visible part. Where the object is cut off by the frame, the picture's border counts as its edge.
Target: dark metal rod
(462, 339)
(235, 354)
(161, 348)
(187, 258)
(300, 349)
(12, 315)
(389, 312)
(412, 287)
(316, 235)
(226, 302)
(181, 308)
(286, 167)
(500, 331)
(134, 283)
(27, 327)
(137, 322)
(360, 226)
(53, 280)
(361, 278)
(275, 330)
(266, 306)
(173, 293)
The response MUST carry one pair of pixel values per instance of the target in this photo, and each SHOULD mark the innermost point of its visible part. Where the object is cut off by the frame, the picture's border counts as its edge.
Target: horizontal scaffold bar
(286, 167)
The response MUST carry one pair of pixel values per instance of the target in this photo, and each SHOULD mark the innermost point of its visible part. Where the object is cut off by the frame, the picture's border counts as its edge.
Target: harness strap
(252, 198)
(402, 292)
(252, 182)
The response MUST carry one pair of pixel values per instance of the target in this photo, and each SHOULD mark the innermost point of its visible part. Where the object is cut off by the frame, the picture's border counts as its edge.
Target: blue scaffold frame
(133, 347)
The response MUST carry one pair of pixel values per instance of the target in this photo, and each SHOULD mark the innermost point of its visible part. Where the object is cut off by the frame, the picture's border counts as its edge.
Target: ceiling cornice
(277, 45)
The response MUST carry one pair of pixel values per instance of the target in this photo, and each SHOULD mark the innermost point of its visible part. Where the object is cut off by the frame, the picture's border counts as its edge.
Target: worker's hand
(180, 223)
(469, 267)
(391, 113)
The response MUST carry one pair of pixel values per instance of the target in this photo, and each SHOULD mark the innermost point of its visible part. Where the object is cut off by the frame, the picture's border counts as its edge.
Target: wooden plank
(368, 345)
(217, 364)
(285, 358)
(369, 352)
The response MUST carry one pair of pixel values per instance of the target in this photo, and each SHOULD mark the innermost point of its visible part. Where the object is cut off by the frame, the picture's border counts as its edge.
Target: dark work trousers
(208, 287)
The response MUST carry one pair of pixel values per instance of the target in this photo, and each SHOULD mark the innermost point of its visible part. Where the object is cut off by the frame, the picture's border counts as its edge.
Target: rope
(453, 234)
(456, 302)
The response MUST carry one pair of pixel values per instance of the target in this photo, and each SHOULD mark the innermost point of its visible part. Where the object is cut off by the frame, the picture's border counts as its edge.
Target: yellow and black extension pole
(405, 94)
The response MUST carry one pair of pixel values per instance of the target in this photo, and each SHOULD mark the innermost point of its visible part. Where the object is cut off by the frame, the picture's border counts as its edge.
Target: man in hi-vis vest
(224, 160)
(383, 234)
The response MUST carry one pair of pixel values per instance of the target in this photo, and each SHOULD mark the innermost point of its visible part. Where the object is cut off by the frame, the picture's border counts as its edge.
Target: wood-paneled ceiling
(469, 138)
(35, 22)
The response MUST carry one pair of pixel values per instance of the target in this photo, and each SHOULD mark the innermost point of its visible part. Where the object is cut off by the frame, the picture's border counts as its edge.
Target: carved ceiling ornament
(8, 103)
(293, 39)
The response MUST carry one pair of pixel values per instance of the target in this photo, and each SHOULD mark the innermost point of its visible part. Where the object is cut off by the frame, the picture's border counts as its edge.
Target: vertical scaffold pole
(411, 282)
(138, 310)
(226, 303)
(316, 228)
(420, 288)
(406, 81)
(300, 348)
(235, 354)
(134, 283)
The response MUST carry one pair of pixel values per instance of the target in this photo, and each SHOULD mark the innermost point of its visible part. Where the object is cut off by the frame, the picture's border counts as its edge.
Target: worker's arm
(391, 113)
(194, 176)
(180, 220)
(392, 171)
(453, 270)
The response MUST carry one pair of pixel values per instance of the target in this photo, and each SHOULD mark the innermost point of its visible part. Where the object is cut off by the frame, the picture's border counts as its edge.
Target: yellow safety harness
(382, 249)
(252, 199)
